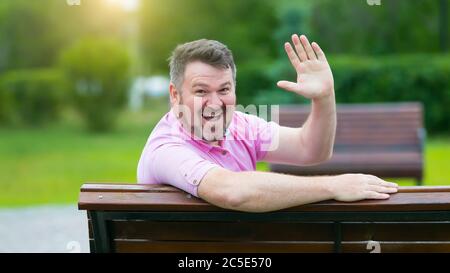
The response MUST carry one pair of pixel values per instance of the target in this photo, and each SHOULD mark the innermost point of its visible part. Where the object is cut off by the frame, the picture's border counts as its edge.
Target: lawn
(49, 165)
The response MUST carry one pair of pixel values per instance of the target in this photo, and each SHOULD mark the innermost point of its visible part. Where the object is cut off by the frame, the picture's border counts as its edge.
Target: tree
(33, 33)
(393, 27)
(246, 27)
(97, 71)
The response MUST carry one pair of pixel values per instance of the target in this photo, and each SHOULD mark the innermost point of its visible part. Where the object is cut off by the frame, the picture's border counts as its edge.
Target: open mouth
(212, 115)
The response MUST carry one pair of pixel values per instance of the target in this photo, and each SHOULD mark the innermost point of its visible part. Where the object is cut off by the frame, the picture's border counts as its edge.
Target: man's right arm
(254, 191)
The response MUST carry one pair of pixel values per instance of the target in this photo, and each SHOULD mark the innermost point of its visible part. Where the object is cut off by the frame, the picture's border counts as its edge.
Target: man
(207, 148)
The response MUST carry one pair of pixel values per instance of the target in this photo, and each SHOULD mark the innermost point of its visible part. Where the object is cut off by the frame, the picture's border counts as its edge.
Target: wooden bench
(386, 140)
(159, 218)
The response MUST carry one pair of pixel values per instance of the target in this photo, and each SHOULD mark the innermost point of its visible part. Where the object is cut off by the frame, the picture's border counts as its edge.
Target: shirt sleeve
(179, 166)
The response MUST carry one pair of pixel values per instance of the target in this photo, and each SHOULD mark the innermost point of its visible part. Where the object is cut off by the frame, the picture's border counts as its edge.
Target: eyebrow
(206, 85)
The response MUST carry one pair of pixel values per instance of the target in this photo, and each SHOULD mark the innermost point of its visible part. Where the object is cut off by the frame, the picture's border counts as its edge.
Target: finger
(319, 52)
(299, 48)
(295, 61)
(383, 183)
(382, 189)
(308, 48)
(289, 86)
(376, 195)
(389, 184)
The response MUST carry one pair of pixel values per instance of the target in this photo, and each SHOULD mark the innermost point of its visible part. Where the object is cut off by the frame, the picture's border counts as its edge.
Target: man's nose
(214, 99)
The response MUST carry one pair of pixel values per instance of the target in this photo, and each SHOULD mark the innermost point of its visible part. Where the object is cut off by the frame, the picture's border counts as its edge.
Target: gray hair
(210, 52)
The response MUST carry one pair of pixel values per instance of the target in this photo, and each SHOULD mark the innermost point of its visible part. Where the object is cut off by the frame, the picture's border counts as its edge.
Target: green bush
(31, 97)
(423, 78)
(250, 78)
(393, 78)
(5, 107)
(97, 72)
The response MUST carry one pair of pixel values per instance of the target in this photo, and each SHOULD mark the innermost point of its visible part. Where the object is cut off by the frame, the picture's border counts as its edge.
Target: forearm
(254, 191)
(264, 191)
(318, 133)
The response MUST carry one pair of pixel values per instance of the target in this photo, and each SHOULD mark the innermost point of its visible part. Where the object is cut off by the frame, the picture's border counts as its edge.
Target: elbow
(325, 157)
(317, 159)
(234, 200)
(240, 201)
(315, 154)
(223, 191)
(234, 197)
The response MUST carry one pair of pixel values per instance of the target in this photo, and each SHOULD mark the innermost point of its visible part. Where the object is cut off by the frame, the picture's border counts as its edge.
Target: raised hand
(314, 77)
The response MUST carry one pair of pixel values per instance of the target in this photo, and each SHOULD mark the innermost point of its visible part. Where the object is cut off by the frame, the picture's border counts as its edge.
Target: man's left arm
(313, 142)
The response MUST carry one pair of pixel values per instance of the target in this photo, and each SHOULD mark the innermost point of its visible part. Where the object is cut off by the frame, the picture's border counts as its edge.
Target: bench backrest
(368, 126)
(385, 140)
(158, 218)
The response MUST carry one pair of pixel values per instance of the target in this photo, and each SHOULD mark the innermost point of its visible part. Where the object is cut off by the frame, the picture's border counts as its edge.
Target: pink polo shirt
(171, 156)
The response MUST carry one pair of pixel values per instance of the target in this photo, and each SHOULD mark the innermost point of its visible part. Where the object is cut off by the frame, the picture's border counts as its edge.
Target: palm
(314, 77)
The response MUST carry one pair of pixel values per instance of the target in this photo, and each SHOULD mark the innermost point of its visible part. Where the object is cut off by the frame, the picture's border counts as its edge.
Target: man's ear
(174, 94)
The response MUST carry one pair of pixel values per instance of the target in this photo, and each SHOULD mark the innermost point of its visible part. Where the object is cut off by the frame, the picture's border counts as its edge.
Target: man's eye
(200, 92)
(225, 90)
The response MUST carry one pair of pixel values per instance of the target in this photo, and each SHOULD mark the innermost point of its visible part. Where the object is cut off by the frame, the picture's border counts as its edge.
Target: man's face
(207, 100)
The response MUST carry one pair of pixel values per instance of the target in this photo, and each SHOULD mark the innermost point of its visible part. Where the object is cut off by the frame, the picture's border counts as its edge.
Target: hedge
(97, 71)
(358, 79)
(31, 97)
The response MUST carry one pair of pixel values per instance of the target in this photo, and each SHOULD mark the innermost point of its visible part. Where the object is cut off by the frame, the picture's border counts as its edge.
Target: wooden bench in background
(159, 218)
(386, 140)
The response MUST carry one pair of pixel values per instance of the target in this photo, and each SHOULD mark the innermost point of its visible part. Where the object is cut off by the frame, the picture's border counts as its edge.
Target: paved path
(43, 229)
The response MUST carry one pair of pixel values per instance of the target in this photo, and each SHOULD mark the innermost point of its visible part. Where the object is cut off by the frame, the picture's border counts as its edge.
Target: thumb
(289, 86)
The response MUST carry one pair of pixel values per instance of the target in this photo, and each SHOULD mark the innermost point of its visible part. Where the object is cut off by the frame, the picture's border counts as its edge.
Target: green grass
(39, 166)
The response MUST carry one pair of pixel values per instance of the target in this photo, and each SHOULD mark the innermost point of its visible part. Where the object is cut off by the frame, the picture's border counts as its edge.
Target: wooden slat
(404, 170)
(424, 189)
(356, 117)
(222, 231)
(153, 201)
(384, 170)
(128, 187)
(127, 246)
(381, 120)
(397, 126)
(398, 247)
(385, 173)
(374, 157)
(124, 187)
(102, 187)
(138, 246)
(396, 231)
(180, 201)
(363, 166)
(366, 107)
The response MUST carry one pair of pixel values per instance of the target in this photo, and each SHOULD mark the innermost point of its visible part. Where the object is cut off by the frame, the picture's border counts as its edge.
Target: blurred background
(83, 82)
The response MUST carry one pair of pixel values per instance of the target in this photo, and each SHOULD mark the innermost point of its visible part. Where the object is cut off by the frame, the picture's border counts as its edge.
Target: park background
(83, 82)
